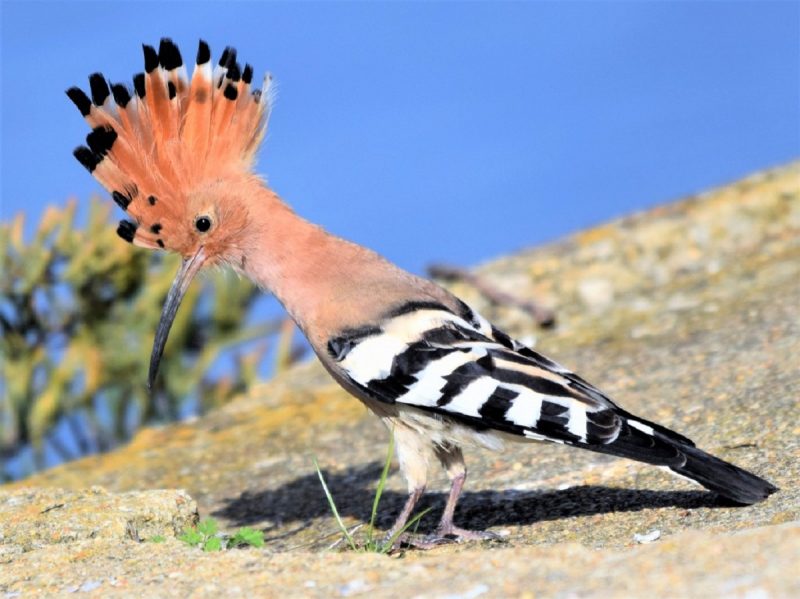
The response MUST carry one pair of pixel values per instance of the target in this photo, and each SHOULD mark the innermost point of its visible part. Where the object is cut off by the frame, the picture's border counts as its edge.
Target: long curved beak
(189, 268)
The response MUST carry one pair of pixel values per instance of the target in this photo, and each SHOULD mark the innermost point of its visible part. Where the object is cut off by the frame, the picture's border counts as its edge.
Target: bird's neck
(310, 271)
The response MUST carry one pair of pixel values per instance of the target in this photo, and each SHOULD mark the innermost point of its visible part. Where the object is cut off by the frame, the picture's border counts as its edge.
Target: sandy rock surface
(688, 314)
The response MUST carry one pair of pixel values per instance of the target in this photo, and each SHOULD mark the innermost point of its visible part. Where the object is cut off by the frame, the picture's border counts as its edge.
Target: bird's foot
(458, 535)
(444, 535)
(409, 540)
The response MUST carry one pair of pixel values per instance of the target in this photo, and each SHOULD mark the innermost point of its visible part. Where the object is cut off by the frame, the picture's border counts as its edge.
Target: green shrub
(78, 311)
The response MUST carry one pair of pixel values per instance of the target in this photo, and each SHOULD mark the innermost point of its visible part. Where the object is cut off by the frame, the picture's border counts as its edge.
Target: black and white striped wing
(457, 365)
(454, 364)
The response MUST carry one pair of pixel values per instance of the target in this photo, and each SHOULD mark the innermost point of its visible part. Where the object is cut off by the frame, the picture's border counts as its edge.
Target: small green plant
(206, 535)
(375, 543)
(246, 536)
(157, 539)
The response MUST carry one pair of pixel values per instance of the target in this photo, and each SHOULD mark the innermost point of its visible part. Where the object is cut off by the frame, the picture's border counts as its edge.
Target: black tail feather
(723, 478)
(661, 447)
(668, 433)
(636, 445)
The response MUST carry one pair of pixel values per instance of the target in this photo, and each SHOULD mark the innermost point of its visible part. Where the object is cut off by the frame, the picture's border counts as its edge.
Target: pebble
(649, 537)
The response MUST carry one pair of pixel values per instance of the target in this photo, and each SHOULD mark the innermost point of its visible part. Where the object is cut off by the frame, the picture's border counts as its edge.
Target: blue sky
(440, 132)
(452, 132)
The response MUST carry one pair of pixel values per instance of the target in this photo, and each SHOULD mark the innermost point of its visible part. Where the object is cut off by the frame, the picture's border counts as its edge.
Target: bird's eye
(202, 223)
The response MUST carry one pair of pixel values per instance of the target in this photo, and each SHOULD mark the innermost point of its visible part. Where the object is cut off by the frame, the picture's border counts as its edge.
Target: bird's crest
(152, 145)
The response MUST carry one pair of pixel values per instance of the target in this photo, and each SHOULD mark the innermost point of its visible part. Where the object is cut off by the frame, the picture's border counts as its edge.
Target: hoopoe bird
(177, 154)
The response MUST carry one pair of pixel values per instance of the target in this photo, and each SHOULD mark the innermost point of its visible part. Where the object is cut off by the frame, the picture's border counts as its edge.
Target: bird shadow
(294, 506)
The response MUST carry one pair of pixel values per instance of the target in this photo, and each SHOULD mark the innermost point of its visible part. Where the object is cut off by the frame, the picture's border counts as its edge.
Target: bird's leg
(413, 453)
(400, 538)
(452, 459)
(400, 523)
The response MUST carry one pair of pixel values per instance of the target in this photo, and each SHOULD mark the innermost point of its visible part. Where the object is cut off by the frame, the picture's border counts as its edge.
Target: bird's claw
(442, 536)
(462, 534)
(423, 542)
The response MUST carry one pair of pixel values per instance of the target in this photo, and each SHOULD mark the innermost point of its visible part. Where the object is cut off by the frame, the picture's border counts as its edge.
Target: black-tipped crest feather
(138, 84)
(99, 88)
(234, 73)
(101, 139)
(203, 53)
(223, 59)
(80, 99)
(121, 199)
(150, 58)
(127, 230)
(121, 94)
(168, 54)
(86, 157)
(231, 92)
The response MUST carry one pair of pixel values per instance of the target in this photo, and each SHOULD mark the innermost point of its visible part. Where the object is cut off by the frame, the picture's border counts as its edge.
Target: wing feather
(459, 366)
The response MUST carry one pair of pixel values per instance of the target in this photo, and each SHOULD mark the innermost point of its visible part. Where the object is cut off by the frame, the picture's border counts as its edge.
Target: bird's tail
(648, 442)
(722, 477)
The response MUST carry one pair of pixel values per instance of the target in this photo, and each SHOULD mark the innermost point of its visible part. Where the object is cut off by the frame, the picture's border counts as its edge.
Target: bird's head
(176, 155)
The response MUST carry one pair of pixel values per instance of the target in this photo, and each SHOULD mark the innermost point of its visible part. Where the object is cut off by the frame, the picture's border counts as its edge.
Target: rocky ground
(688, 314)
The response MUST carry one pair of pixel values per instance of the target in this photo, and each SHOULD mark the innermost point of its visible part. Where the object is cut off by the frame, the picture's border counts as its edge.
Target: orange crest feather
(151, 147)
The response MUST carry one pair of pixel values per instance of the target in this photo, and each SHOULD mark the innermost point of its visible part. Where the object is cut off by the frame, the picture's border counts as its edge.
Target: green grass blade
(387, 547)
(381, 486)
(332, 504)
